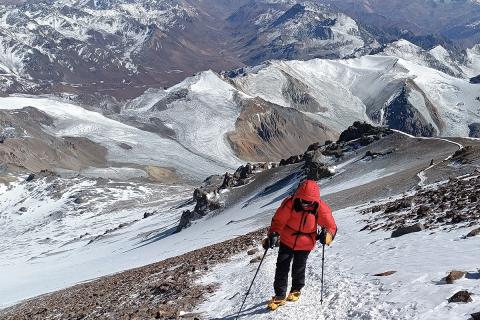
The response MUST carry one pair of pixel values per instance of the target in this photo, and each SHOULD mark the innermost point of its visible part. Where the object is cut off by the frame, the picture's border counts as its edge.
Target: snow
(135, 245)
(351, 291)
(149, 148)
(38, 266)
(350, 89)
(210, 100)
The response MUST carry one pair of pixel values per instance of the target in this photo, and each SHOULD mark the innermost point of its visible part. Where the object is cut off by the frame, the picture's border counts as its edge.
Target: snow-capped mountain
(262, 113)
(425, 22)
(123, 47)
(304, 31)
(402, 87)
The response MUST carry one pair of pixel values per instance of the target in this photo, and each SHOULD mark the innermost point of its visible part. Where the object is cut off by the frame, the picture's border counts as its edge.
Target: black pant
(285, 255)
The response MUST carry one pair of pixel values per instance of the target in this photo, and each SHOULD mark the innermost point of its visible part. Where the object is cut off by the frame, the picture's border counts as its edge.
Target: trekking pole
(323, 264)
(251, 284)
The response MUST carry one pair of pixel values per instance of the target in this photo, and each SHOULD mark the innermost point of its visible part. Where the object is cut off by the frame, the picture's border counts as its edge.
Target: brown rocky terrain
(26, 144)
(163, 290)
(453, 204)
(266, 132)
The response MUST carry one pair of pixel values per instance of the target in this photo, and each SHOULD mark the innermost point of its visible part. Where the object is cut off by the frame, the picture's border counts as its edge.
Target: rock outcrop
(461, 297)
(406, 230)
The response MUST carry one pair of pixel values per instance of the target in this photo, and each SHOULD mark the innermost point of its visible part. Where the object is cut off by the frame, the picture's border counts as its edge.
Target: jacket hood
(308, 190)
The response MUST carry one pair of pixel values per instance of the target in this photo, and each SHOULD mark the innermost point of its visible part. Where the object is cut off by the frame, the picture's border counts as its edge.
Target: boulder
(314, 146)
(475, 316)
(149, 214)
(315, 165)
(186, 219)
(228, 181)
(406, 230)
(256, 259)
(461, 297)
(252, 251)
(291, 160)
(30, 177)
(398, 205)
(473, 233)
(454, 275)
(244, 172)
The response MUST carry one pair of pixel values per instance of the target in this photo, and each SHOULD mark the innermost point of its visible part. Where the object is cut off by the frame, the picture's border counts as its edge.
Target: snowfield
(415, 291)
(148, 148)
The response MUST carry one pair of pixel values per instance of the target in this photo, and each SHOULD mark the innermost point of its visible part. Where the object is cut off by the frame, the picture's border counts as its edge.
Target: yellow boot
(275, 303)
(293, 296)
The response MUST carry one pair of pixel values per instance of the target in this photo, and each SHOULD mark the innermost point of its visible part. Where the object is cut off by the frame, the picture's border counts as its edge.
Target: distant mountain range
(425, 22)
(122, 47)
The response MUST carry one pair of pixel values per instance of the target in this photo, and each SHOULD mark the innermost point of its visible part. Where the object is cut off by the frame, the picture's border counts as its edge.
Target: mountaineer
(294, 229)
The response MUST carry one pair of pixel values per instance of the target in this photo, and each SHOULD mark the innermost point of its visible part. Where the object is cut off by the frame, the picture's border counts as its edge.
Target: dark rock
(149, 214)
(125, 146)
(366, 140)
(30, 177)
(454, 275)
(475, 316)
(79, 200)
(384, 274)
(333, 150)
(186, 219)
(291, 160)
(314, 146)
(22, 209)
(473, 233)
(315, 167)
(228, 181)
(423, 210)
(458, 218)
(361, 129)
(475, 80)
(256, 259)
(244, 172)
(204, 204)
(400, 114)
(252, 251)
(461, 297)
(364, 228)
(398, 205)
(474, 130)
(406, 230)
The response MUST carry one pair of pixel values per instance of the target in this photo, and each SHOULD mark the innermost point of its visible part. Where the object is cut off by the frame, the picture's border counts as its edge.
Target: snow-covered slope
(148, 148)
(403, 89)
(121, 239)
(415, 291)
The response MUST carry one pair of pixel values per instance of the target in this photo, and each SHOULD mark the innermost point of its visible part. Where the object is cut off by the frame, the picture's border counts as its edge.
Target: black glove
(271, 241)
(325, 237)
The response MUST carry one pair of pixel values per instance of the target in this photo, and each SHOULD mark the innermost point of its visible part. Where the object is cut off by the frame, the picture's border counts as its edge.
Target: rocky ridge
(317, 159)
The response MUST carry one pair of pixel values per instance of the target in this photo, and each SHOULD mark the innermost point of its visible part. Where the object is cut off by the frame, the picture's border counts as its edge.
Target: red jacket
(298, 229)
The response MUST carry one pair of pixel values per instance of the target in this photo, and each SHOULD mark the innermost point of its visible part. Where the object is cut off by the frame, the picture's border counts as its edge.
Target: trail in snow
(422, 174)
(415, 291)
